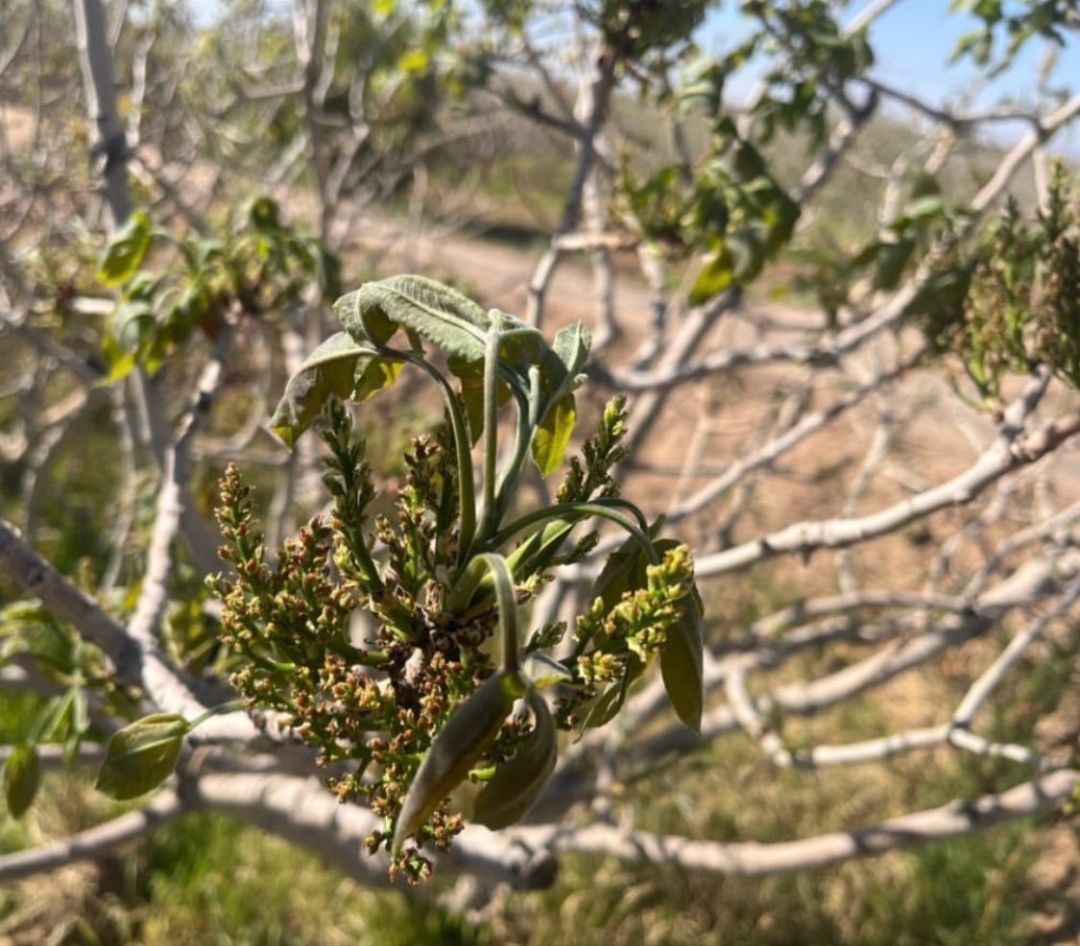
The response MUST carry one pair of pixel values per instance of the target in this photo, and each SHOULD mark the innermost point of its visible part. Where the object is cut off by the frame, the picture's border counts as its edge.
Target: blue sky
(913, 42)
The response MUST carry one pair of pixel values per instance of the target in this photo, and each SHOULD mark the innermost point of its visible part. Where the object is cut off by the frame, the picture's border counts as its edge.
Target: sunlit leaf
(716, 275)
(126, 251)
(441, 315)
(553, 435)
(141, 756)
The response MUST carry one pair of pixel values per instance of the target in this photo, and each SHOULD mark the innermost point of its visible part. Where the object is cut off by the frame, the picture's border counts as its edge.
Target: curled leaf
(330, 370)
(142, 755)
(459, 745)
(519, 781)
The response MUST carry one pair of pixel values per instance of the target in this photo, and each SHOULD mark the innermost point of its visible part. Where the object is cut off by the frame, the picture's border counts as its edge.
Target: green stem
(490, 521)
(506, 599)
(466, 492)
(528, 421)
(601, 508)
(230, 707)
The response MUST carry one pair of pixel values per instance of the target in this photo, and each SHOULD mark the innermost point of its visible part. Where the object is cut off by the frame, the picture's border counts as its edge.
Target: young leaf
(716, 275)
(681, 663)
(465, 737)
(22, 776)
(141, 756)
(126, 251)
(605, 707)
(370, 326)
(443, 316)
(331, 369)
(553, 435)
(519, 781)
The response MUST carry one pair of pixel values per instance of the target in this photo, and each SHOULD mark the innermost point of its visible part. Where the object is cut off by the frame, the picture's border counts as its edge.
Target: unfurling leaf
(142, 755)
(126, 251)
(22, 776)
(459, 745)
(519, 781)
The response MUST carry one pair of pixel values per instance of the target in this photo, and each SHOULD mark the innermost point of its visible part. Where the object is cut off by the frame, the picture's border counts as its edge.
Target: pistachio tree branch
(93, 842)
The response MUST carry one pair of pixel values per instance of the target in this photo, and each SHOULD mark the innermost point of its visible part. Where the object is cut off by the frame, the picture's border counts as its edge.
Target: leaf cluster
(259, 266)
(76, 670)
(1016, 303)
(394, 643)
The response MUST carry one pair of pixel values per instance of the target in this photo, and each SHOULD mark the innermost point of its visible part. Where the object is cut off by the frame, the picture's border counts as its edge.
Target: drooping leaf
(126, 251)
(141, 756)
(442, 315)
(519, 781)
(624, 570)
(373, 373)
(366, 324)
(681, 663)
(22, 778)
(456, 749)
(330, 370)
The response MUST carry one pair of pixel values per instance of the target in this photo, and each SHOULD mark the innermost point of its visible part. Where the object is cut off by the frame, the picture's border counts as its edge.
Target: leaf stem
(490, 520)
(506, 598)
(605, 508)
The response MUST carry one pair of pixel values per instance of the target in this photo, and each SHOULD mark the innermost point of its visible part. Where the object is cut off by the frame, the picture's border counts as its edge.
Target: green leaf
(572, 347)
(442, 315)
(459, 745)
(681, 663)
(366, 326)
(519, 781)
(552, 437)
(534, 555)
(141, 756)
(681, 657)
(126, 251)
(892, 260)
(624, 570)
(22, 777)
(606, 706)
(716, 275)
(330, 370)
